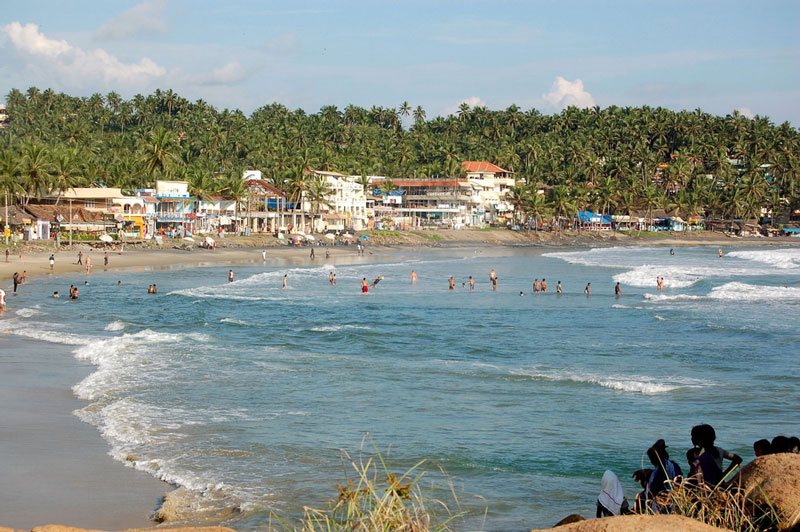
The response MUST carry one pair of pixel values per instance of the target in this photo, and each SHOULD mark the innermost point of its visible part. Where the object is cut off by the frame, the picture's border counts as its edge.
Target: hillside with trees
(612, 160)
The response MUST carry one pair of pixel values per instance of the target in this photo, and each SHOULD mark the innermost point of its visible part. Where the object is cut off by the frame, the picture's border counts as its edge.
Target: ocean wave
(334, 328)
(624, 383)
(28, 312)
(115, 326)
(46, 332)
(234, 321)
(780, 258)
(735, 291)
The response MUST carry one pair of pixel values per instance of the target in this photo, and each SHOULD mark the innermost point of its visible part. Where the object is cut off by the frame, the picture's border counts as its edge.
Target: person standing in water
(330, 278)
(588, 289)
(264, 255)
(719, 252)
(285, 279)
(536, 286)
(413, 277)
(364, 285)
(230, 276)
(558, 288)
(451, 282)
(617, 290)
(544, 285)
(471, 284)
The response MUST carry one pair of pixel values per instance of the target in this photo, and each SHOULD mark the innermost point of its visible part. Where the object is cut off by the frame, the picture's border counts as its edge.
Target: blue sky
(715, 55)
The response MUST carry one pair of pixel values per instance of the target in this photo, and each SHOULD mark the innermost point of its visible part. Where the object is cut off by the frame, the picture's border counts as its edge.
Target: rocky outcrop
(636, 523)
(773, 482)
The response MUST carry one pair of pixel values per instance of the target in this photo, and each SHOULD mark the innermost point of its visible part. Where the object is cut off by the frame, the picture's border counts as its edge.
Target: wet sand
(53, 467)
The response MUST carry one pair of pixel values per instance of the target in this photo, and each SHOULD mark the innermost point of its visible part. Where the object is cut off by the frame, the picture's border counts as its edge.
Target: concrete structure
(492, 184)
(450, 203)
(347, 207)
(174, 214)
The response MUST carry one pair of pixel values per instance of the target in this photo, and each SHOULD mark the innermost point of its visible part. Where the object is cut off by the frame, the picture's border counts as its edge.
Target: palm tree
(36, 171)
(318, 193)
(66, 173)
(159, 151)
(562, 204)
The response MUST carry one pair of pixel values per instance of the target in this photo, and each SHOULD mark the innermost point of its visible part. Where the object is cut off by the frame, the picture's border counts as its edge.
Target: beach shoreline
(237, 249)
(135, 492)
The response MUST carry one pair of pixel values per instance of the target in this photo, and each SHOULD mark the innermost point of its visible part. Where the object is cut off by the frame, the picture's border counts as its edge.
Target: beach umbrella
(364, 237)
(188, 238)
(330, 236)
(209, 241)
(106, 238)
(348, 235)
(309, 237)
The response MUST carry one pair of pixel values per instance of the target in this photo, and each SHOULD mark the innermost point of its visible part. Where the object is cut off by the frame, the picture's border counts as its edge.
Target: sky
(715, 55)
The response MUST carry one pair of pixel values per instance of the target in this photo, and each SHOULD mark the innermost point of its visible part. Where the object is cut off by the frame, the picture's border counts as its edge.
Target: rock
(572, 518)
(773, 480)
(637, 523)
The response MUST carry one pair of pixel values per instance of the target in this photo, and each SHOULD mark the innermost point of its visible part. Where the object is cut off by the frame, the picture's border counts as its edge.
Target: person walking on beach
(230, 276)
(617, 290)
(2, 300)
(6, 254)
(588, 289)
(312, 253)
(52, 261)
(105, 260)
(264, 255)
(88, 264)
(80, 258)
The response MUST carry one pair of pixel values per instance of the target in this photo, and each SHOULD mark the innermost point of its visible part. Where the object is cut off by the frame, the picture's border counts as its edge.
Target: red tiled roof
(483, 166)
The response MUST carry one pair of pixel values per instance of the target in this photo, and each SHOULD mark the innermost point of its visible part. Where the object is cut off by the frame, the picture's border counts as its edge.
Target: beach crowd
(705, 472)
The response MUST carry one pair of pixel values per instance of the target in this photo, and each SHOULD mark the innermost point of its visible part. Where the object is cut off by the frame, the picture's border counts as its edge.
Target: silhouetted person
(762, 447)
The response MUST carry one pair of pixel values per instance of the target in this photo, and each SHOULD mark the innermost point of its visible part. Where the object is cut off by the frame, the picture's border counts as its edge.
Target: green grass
(374, 499)
(384, 233)
(431, 236)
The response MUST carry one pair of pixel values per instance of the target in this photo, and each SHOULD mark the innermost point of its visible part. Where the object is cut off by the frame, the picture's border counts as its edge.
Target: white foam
(333, 328)
(115, 326)
(623, 383)
(28, 312)
(748, 292)
(234, 321)
(50, 333)
(780, 258)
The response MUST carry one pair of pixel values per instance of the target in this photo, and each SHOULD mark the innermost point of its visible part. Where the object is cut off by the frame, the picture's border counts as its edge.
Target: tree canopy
(612, 160)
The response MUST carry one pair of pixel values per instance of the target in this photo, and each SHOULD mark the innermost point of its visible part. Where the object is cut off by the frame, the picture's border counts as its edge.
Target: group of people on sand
(705, 463)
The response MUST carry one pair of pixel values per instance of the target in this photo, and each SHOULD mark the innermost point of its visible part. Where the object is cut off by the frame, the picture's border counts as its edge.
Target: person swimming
(376, 281)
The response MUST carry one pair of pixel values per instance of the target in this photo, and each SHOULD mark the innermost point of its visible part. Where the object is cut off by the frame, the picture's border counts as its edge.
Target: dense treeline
(610, 160)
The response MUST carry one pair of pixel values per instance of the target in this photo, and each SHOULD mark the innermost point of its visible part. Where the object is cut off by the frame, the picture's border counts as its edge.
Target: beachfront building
(266, 204)
(492, 185)
(3, 116)
(215, 214)
(174, 216)
(345, 207)
(448, 203)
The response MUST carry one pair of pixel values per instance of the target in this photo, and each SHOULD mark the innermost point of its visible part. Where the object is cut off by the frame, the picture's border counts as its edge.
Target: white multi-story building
(492, 184)
(348, 203)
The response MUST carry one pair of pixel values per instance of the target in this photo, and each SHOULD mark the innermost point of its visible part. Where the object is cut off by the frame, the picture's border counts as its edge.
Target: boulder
(636, 523)
(773, 481)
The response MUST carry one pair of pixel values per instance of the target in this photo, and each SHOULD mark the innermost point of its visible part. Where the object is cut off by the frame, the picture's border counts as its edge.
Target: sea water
(246, 394)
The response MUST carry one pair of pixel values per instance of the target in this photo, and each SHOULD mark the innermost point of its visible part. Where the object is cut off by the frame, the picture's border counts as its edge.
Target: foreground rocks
(637, 523)
(773, 481)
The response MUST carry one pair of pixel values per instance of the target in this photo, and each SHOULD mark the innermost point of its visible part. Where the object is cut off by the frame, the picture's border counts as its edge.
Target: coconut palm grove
(613, 160)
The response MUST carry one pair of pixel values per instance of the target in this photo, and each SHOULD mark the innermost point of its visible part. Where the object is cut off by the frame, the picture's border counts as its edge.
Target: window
(89, 204)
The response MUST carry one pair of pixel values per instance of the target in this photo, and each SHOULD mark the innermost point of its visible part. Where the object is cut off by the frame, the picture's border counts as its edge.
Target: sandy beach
(56, 469)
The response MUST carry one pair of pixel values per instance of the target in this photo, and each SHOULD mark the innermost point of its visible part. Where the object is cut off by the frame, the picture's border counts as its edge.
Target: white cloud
(147, 18)
(77, 67)
(565, 93)
(746, 112)
(472, 101)
(231, 72)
